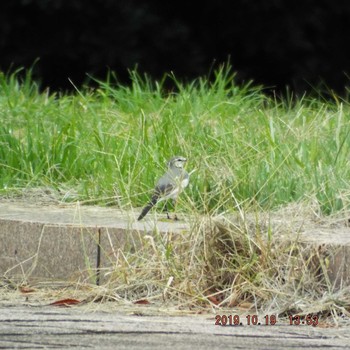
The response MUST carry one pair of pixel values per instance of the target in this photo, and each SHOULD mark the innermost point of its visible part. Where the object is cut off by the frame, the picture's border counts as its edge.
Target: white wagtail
(169, 185)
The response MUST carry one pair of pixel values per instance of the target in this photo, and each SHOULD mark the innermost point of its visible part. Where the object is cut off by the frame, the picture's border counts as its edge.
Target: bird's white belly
(184, 183)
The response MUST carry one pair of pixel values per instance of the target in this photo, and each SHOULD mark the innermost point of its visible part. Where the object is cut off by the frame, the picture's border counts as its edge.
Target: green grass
(113, 141)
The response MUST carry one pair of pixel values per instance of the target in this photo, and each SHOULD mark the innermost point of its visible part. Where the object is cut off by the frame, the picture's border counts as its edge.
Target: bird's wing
(163, 189)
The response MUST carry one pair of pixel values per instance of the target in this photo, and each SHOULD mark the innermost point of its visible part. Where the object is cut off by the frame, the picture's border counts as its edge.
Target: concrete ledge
(74, 242)
(67, 243)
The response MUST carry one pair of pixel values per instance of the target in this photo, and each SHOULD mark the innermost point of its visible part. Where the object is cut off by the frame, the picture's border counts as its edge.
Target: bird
(170, 185)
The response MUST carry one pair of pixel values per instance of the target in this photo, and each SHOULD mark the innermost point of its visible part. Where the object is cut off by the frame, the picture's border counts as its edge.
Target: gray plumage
(169, 185)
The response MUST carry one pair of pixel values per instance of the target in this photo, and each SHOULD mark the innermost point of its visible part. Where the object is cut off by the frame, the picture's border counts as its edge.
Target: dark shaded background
(276, 43)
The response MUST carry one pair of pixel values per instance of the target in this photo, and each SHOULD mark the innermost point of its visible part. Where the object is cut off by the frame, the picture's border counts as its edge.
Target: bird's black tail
(148, 207)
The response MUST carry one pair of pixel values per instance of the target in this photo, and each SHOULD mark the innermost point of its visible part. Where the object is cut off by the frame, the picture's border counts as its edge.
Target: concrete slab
(47, 327)
(335, 242)
(33, 249)
(70, 242)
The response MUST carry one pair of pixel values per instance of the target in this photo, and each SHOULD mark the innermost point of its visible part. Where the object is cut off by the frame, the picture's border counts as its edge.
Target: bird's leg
(175, 216)
(167, 211)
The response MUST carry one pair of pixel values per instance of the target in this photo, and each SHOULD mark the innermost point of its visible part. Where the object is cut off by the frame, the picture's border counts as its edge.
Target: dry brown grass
(254, 261)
